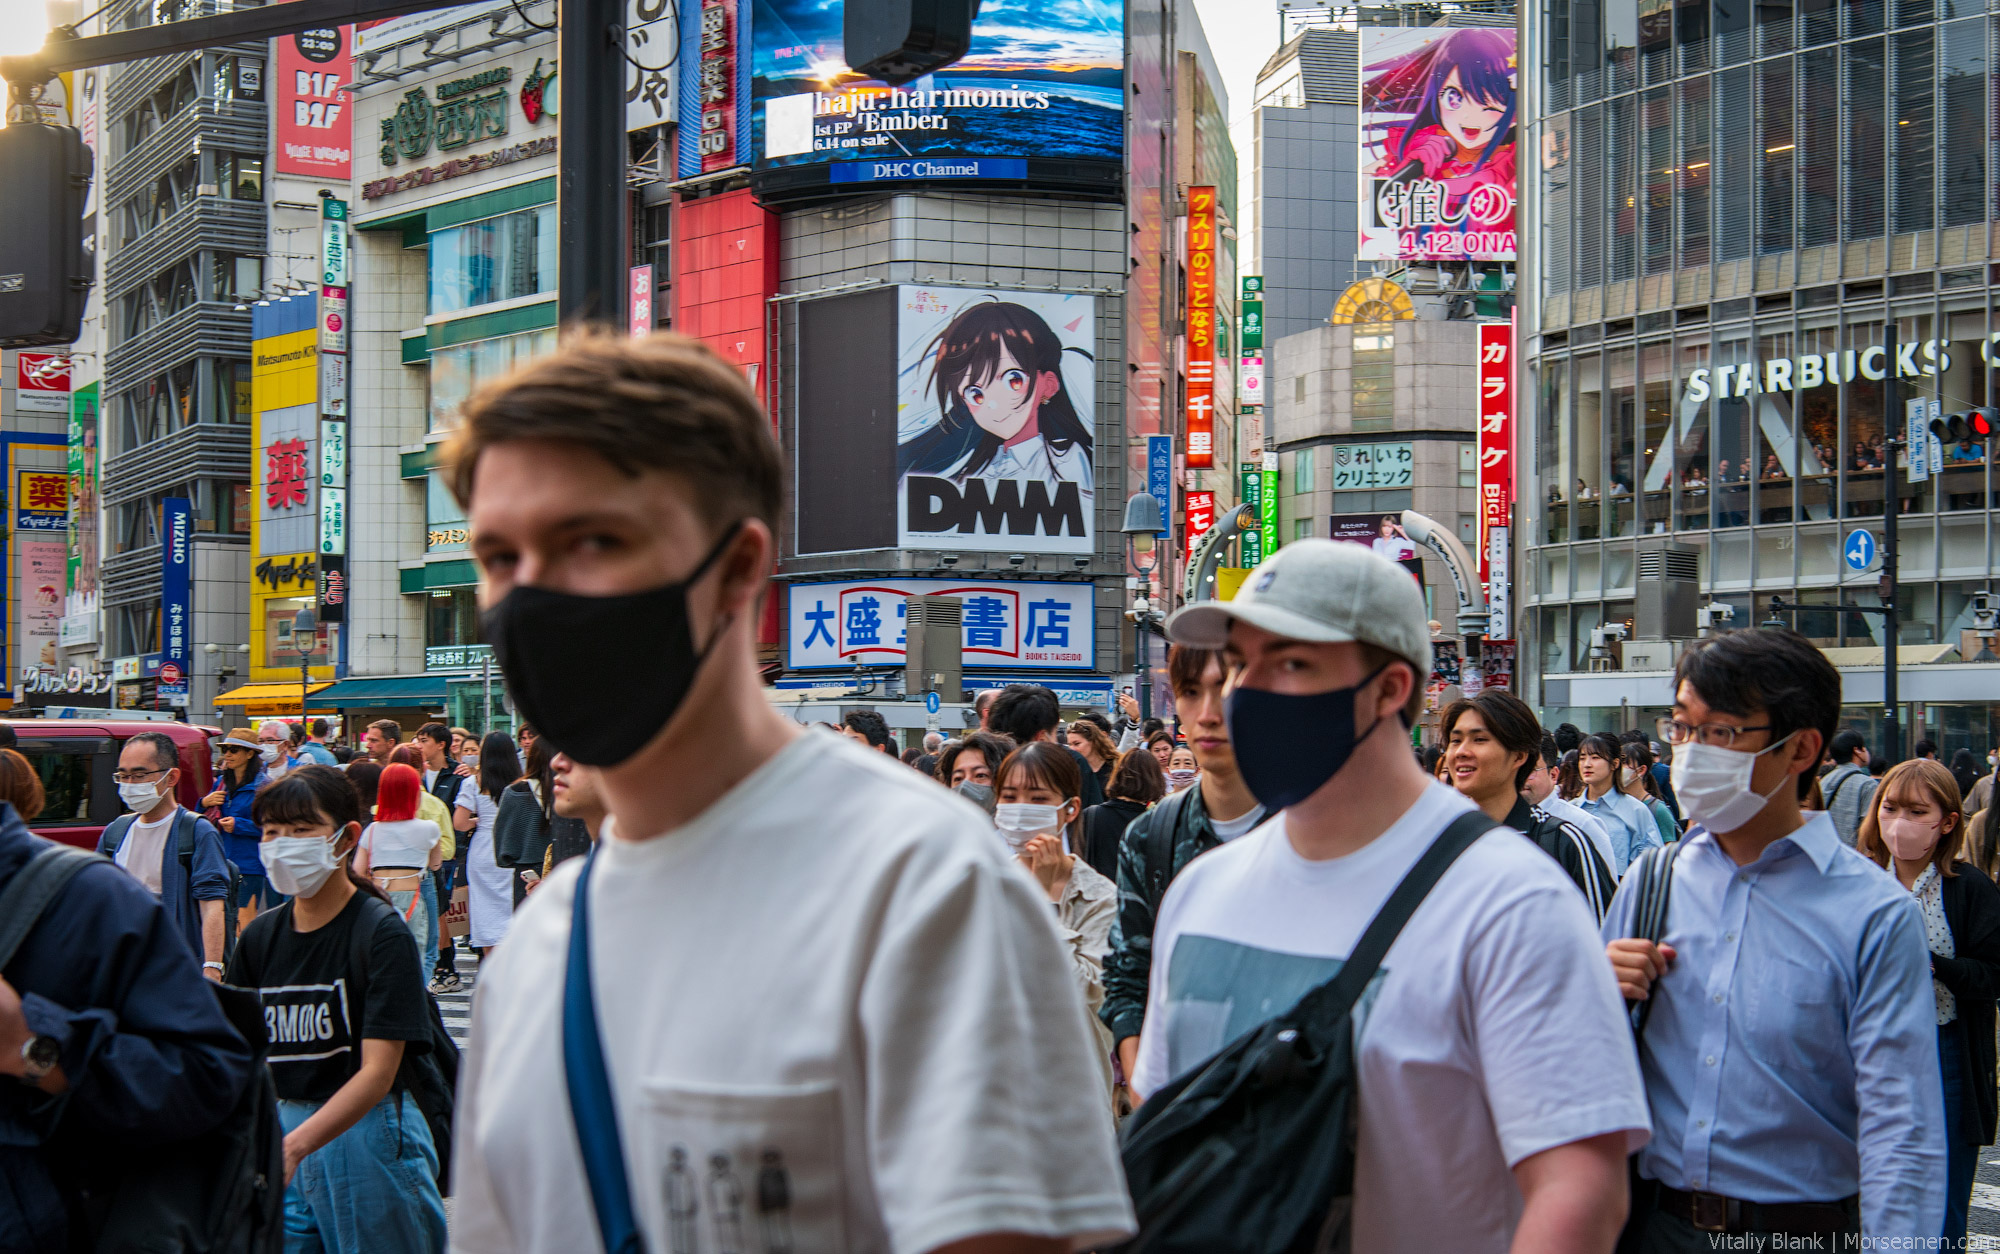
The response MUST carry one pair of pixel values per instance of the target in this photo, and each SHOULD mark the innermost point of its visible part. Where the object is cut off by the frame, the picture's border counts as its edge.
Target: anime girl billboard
(995, 422)
(1437, 144)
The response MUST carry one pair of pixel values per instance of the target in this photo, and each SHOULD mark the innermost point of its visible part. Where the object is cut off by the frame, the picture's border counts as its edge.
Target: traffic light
(44, 273)
(1974, 425)
(898, 40)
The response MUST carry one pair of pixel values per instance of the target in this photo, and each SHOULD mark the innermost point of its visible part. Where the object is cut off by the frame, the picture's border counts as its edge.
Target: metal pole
(1892, 732)
(486, 695)
(1145, 669)
(591, 200)
(305, 683)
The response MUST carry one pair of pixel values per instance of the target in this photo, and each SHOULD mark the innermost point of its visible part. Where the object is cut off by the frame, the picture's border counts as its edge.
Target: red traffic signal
(1973, 426)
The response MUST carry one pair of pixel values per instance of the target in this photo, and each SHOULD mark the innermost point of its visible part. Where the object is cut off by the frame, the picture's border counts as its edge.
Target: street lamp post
(1142, 529)
(305, 630)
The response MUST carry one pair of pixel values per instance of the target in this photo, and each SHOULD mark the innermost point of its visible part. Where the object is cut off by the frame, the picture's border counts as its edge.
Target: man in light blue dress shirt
(1627, 820)
(1790, 1055)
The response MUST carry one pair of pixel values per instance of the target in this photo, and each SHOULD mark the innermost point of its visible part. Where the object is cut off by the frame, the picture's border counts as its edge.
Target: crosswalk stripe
(1986, 1196)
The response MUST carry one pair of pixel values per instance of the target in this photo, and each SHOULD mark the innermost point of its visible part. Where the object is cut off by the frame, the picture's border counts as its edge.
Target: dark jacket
(520, 828)
(1092, 788)
(149, 1055)
(1141, 884)
(1572, 850)
(1972, 910)
(1104, 830)
(241, 843)
(445, 787)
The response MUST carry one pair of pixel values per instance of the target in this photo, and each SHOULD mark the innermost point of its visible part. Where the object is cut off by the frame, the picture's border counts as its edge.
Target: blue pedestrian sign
(930, 703)
(1859, 549)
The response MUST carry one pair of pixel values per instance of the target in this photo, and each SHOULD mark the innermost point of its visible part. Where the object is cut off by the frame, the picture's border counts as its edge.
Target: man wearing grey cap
(1498, 1094)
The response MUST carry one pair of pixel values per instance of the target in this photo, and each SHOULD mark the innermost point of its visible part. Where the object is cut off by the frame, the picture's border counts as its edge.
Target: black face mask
(553, 648)
(1288, 746)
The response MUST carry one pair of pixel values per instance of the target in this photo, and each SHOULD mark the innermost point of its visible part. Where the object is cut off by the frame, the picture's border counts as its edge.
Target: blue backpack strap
(114, 833)
(591, 1105)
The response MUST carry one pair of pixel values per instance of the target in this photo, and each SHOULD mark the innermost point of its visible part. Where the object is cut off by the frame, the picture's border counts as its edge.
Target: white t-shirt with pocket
(1492, 1031)
(837, 1018)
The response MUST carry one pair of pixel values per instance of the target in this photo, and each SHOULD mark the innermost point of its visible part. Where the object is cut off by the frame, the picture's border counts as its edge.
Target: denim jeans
(370, 1190)
(1963, 1136)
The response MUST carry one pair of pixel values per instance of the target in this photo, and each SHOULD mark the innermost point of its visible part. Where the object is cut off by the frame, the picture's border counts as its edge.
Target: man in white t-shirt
(834, 1012)
(1498, 1092)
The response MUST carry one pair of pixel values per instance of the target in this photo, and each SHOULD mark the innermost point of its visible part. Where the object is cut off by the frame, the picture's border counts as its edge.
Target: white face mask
(1628, 776)
(298, 866)
(139, 797)
(1713, 784)
(1018, 823)
(1909, 838)
(270, 753)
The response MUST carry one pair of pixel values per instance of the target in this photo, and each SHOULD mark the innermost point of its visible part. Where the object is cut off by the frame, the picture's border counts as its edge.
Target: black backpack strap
(1325, 1009)
(1650, 897)
(1842, 784)
(184, 823)
(31, 890)
(1160, 842)
(114, 834)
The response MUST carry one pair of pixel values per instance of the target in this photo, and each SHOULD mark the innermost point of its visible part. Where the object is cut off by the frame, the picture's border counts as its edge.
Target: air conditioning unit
(934, 637)
(1651, 655)
(1669, 591)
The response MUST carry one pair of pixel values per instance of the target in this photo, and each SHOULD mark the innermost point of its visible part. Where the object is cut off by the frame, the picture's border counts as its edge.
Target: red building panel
(725, 250)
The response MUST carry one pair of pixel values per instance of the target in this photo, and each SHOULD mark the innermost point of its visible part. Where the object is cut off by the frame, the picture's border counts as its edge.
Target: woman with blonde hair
(1915, 828)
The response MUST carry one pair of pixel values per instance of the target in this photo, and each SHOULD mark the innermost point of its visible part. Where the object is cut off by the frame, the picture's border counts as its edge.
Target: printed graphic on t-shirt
(746, 1171)
(1217, 990)
(308, 1022)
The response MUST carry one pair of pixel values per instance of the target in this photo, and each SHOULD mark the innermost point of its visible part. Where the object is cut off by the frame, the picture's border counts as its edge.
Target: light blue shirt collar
(1815, 838)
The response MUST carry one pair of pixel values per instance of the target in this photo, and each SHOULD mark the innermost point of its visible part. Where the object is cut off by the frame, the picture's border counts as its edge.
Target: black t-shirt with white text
(318, 1008)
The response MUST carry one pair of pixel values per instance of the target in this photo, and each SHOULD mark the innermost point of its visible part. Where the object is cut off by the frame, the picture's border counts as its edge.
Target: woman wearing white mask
(1182, 769)
(1916, 829)
(1040, 792)
(229, 807)
(350, 1031)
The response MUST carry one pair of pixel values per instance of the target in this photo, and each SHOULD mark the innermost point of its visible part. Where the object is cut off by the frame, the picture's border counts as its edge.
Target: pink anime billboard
(1437, 144)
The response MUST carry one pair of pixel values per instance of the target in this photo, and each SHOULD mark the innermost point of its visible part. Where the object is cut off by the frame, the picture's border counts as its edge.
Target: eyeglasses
(1715, 735)
(137, 777)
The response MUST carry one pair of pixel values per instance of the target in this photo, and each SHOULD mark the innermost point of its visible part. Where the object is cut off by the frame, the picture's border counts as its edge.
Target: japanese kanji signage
(1496, 432)
(332, 453)
(41, 501)
(1373, 466)
(1200, 517)
(285, 474)
(1200, 318)
(1253, 494)
(640, 301)
(176, 597)
(712, 144)
(1006, 622)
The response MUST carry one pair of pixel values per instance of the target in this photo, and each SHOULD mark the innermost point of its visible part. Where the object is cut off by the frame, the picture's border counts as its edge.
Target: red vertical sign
(719, 104)
(1200, 517)
(315, 126)
(1200, 329)
(1496, 432)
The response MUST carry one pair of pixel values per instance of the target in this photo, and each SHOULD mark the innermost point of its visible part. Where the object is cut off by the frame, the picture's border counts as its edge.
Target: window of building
(240, 175)
(451, 617)
(233, 277)
(237, 78)
(457, 371)
(501, 258)
(1302, 470)
(444, 517)
(1373, 387)
(1302, 529)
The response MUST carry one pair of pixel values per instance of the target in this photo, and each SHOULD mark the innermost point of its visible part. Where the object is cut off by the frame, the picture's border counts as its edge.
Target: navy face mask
(1287, 746)
(552, 646)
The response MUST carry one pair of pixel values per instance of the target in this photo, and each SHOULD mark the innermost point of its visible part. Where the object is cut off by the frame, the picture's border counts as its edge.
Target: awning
(263, 694)
(392, 690)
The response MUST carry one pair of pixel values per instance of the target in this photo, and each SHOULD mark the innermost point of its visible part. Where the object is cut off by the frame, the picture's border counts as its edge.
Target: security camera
(1082, 562)
(948, 559)
(1985, 612)
(1017, 559)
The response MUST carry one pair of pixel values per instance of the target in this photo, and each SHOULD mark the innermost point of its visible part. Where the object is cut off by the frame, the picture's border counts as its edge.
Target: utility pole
(1892, 420)
(592, 203)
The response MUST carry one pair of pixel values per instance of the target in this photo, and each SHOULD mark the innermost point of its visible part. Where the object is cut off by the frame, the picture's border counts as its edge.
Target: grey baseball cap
(1324, 591)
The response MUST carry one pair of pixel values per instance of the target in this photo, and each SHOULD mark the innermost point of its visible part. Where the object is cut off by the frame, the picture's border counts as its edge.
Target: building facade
(1301, 220)
(1734, 212)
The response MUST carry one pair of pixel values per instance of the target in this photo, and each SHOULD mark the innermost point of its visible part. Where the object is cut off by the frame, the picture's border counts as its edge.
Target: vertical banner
(640, 301)
(1496, 433)
(176, 598)
(1250, 380)
(1200, 517)
(1250, 312)
(81, 578)
(1253, 495)
(1160, 475)
(1267, 504)
(314, 116)
(333, 433)
(1200, 328)
(40, 594)
(1499, 623)
(712, 105)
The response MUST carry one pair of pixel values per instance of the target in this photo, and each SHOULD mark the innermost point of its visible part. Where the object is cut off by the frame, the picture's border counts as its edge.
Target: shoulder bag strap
(589, 1081)
(115, 833)
(1322, 1011)
(184, 838)
(1160, 835)
(33, 887)
(1650, 897)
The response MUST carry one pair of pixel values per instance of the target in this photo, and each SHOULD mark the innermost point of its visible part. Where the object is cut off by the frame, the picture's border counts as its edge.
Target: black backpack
(222, 1192)
(184, 827)
(1253, 1151)
(432, 1074)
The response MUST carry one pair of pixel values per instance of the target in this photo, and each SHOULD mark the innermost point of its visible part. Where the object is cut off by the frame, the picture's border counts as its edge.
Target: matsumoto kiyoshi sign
(1006, 623)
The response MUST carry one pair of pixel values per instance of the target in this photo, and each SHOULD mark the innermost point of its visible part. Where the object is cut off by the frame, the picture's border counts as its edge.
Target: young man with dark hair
(1540, 791)
(1030, 712)
(914, 1070)
(1790, 1052)
(1927, 749)
(1848, 788)
(176, 853)
(1492, 743)
(314, 749)
(868, 728)
(1496, 1093)
(1160, 843)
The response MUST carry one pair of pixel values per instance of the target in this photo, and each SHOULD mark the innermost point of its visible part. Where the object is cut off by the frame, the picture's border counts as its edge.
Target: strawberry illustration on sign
(534, 93)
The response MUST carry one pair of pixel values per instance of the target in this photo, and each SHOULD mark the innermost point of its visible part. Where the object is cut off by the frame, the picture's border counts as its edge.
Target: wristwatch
(213, 966)
(39, 1055)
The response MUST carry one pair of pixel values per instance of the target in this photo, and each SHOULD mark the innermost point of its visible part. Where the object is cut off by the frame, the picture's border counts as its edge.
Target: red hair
(396, 795)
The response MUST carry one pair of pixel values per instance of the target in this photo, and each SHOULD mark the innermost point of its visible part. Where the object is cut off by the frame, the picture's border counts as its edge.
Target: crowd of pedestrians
(748, 986)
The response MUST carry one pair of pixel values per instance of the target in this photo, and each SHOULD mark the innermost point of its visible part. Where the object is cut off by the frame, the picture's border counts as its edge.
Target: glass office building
(1730, 208)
